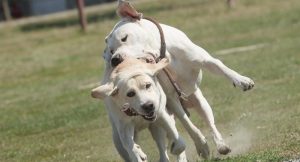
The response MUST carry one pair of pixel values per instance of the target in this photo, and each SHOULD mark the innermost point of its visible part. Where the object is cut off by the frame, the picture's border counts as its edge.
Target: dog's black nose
(116, 60)
(148, 107)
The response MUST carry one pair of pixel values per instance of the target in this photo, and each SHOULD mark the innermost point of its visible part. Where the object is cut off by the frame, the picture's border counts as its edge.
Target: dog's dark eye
(112, 51)
(148, 85)
(124, 39)
(131, 94)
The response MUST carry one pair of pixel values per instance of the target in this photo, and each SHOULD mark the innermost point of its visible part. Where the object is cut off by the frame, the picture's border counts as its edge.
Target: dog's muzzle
(149, 108)
(150, 112)
(150, 117)
(116, 60)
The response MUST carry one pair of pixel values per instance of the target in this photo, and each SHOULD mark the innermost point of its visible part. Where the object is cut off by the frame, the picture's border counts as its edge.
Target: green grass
(46, 114)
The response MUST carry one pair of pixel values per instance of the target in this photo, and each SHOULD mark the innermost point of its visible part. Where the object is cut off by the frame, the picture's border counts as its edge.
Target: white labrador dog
(135, 100)
(136, 37)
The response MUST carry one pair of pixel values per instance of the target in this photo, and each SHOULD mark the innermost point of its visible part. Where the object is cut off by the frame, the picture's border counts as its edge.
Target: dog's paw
(182, 157)
(178, 146)
(243, 82)
(140, 155)
(223, 149)
(202, 148)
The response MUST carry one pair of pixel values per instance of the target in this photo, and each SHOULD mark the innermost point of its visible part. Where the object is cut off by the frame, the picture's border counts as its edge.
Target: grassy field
(47, 67)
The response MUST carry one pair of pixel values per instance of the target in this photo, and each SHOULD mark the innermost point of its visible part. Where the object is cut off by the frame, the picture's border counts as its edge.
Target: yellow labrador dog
(135, 100)
(135, 37)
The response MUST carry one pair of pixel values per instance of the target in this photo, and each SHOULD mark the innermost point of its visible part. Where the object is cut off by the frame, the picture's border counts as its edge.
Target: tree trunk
(6, 10)
(231, 3)
(82, 18)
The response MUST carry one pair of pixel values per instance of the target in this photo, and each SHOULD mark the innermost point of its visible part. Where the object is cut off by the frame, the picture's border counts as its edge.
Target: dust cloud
(240, 140)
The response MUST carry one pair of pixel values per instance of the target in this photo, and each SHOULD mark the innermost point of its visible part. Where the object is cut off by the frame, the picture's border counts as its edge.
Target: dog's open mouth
(150, 117)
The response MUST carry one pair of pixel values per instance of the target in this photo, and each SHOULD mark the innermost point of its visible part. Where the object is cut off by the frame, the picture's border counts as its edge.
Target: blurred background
(15, 9)
(49, 63)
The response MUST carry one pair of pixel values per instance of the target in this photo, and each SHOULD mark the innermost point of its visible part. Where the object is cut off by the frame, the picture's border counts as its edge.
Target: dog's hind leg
(204, 109)
(205, 60)
(194, 132)
(159, 135)
(184, 50)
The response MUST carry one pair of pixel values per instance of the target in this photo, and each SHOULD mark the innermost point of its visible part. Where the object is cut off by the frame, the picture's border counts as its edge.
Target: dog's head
(130, 37)
(134, 85)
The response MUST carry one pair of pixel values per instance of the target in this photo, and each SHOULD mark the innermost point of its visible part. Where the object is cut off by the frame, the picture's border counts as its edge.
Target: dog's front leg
(118, 143)
(194, 132)
(204, 109)
(126, 132)
(168, 123)
(159, 135)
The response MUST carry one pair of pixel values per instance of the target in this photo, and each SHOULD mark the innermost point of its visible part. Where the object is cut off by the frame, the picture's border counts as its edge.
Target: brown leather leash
(179, 92)
(162, 39)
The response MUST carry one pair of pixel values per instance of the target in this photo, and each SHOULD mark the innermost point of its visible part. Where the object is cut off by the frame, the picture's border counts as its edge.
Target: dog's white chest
(140, 123)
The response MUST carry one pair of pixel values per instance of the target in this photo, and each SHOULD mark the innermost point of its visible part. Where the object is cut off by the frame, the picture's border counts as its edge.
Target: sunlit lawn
(47, 69)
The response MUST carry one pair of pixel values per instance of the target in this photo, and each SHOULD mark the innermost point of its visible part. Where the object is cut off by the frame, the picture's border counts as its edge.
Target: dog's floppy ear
(155, 68)
(125, 10)
(104, 90)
